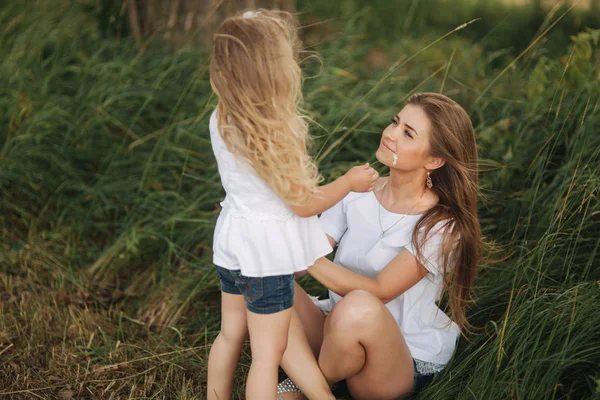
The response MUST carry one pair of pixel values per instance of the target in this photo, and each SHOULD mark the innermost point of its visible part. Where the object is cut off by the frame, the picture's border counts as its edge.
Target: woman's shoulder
(354, 197)
(436, 234)
(429, 200)
(441, 224)
(213, 127)
(213, 122)
(379, 184)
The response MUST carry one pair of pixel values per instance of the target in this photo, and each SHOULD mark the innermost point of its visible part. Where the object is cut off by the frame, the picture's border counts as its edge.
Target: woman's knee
(356, 309)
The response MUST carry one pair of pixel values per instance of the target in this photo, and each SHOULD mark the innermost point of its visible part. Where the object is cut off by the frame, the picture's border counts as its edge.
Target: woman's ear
(434, 163)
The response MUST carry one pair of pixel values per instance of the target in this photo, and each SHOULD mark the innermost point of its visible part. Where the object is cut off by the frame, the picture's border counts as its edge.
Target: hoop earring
(428, 181)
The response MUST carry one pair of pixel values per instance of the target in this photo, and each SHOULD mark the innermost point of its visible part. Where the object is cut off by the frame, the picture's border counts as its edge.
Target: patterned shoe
(286, 386)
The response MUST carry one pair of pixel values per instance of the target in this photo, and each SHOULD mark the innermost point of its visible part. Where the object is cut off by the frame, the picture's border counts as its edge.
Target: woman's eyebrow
(408, 126)
(411, 128)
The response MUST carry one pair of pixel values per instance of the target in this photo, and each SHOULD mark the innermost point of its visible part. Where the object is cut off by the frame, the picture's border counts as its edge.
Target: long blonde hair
(255, 72)
(455, 183)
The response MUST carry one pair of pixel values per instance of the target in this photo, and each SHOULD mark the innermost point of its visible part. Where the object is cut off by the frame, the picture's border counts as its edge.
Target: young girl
(267, 229)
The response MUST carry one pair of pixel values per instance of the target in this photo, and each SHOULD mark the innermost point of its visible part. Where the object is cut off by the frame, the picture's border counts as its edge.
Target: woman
(399, 249)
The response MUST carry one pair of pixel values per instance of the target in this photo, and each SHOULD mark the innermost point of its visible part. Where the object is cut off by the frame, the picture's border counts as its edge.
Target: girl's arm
(402, 273)
(358, 179)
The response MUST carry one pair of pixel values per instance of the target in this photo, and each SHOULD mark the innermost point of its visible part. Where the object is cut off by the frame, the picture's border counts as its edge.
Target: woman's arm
(403, 272)
(332, 242)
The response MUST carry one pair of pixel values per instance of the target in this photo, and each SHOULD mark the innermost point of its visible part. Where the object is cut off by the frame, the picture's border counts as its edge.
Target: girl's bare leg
(300, 364)
(225, 351)
(268, 341)
(304, 341)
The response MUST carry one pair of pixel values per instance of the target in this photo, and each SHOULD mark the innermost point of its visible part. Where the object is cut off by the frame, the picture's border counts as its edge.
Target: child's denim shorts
(263, 295)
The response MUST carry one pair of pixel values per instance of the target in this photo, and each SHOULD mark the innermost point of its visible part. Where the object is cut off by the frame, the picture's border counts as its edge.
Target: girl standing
(267, 229)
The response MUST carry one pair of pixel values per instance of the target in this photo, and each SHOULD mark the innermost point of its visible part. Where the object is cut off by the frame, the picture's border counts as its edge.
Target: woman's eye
(407, 133)
(394, 122)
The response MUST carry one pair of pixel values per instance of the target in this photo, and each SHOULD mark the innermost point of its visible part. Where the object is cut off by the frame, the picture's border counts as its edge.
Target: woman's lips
(387, 147)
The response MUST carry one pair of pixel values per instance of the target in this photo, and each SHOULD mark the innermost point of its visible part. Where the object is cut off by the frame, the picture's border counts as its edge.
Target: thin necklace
(383, 231)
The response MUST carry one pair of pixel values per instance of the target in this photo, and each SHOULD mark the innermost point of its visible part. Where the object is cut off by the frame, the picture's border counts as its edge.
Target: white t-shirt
(354, 224)
(256, 232)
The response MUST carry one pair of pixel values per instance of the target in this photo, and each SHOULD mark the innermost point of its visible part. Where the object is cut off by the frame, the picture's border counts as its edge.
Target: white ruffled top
(256, 232)
(355, 223)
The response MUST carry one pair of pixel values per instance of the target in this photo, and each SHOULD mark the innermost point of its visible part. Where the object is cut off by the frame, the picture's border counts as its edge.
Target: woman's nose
(388, 136)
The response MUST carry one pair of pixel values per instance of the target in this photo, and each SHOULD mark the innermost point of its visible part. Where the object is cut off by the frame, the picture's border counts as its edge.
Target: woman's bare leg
(311, 317)
(301, 366)
(363, 344)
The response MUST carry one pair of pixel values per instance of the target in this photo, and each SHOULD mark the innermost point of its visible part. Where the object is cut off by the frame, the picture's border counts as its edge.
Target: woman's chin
(383, 158)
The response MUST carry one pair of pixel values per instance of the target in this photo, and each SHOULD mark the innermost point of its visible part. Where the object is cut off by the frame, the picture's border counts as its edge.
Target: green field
(109, 193)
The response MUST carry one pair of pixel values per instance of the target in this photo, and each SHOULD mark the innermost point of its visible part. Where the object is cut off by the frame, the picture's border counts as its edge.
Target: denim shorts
(263, 295)
(421, 380)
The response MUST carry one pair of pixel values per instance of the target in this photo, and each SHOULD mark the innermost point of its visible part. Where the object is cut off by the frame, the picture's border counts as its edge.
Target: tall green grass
(505, 27)
(110, 193)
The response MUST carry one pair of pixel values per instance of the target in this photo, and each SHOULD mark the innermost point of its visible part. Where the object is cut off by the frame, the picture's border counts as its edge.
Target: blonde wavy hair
(255, 72)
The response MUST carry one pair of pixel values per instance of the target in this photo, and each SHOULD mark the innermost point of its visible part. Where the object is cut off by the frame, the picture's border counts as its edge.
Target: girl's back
(247, 195)
(259, 138)
(257, 232)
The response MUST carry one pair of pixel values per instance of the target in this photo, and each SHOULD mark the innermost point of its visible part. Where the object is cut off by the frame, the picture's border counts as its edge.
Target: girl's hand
(362, 178)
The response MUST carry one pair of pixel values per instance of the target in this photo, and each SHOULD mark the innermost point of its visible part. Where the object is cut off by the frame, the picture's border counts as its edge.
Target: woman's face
(407, 137)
